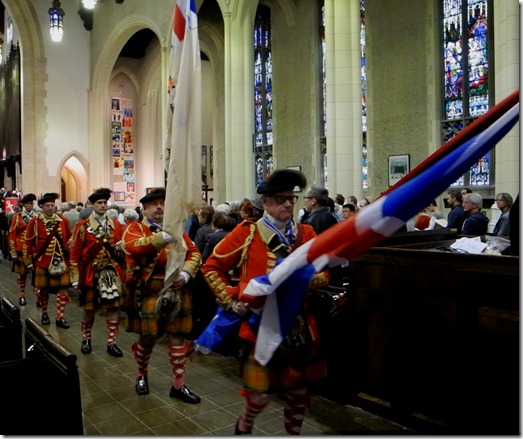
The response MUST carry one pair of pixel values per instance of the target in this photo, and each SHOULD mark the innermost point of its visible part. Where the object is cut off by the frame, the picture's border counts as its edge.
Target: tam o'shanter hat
(48, 197)
(29, 198)
(102, 193)
(153, 194)
(282, 180)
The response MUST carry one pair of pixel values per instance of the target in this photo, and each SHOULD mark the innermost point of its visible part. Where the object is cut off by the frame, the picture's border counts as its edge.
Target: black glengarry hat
(28, 198)
(153, 194)
(102, 193)
(48, 197)
(282, 180)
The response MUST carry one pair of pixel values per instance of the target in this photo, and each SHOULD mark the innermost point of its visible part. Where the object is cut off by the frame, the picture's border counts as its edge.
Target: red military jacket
(16, 232)
(88, 252)
(246, 248)
(147, 251)
(36, 235)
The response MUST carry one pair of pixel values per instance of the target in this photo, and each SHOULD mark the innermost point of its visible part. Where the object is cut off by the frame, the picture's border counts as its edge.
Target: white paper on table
(470, 245)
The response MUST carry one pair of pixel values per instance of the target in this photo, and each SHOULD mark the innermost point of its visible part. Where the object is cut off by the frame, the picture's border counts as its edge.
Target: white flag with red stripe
(183, 149)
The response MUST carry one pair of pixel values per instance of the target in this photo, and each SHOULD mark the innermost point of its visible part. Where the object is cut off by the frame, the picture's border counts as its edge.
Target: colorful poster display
(124, 186)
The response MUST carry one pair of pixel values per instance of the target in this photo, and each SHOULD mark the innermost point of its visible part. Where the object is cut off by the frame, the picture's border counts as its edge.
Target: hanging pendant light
(56, 26)
(89, 4)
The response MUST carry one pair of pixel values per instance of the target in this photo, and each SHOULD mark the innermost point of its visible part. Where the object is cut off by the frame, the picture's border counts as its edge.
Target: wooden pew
(11, 345)
(436, 334)
(41, 393)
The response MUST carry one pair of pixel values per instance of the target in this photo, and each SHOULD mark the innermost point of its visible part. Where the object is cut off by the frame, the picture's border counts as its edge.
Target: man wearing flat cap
(45, 252)
(146, 248)
(15, 238)
(95, 270)
(255, 248)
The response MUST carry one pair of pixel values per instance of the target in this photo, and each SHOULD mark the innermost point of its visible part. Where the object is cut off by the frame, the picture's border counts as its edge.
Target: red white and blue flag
(183, 149)
(348, 239)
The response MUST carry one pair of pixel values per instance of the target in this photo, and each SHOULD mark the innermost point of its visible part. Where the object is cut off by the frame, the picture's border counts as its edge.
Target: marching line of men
(113, 267)
(110, 267)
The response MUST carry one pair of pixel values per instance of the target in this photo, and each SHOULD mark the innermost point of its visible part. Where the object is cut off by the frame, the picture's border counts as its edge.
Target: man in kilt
(95, 270)
(254, 249)
(146, 248)
(16, 242)
(45, 253)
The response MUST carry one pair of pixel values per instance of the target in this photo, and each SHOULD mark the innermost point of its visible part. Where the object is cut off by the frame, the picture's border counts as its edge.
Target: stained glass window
(262, 94)
(323, 137)
(363, 96)
(466, 36)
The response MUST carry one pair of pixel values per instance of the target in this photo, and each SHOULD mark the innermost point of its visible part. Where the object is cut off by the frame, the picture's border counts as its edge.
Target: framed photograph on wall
(399, 166)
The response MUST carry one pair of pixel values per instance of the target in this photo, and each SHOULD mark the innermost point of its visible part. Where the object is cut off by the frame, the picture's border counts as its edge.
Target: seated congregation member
(317, 204)
(248, 212)
(348, 210)
(95, 270)
(504, 202)
(146, 248)
(476, 223)
(45, 253)
(255, 248)
(423, 220)
(204, 218)
(456, 215)
(220, 227)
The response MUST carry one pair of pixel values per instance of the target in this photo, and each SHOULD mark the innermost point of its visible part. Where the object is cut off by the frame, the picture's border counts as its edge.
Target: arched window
(468, 83)
(262, 94)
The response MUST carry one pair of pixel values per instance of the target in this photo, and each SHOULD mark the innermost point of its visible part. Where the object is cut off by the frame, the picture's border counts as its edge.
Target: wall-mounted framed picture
(399, 166)
(295, 168)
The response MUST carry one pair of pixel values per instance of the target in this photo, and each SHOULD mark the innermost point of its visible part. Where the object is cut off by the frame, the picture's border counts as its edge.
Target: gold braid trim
(246, 245)
(216, 283)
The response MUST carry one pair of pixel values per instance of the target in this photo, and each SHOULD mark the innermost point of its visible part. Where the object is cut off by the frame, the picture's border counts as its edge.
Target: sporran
(57, 267)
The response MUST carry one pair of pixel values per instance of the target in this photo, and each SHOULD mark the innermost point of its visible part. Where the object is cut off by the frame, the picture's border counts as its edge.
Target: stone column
(344, 127)
(238, 17)
(507, 60)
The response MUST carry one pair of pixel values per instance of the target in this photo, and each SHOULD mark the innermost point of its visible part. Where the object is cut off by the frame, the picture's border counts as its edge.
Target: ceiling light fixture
(56, 25)
(89, 4)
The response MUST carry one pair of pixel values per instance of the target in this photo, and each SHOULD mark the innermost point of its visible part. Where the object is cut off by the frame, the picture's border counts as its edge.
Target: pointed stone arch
(103, 72)
(74, 171)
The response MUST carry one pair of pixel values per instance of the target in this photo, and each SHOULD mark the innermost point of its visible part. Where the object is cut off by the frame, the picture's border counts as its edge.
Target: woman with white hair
(504, 202)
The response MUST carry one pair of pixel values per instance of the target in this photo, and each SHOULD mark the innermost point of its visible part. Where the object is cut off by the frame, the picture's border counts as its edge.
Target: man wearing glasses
(320, 218)
(255, 248)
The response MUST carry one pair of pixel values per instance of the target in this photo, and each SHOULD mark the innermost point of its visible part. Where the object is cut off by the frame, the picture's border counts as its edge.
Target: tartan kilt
(141, 318)
(42, 279)
(89, 299)
(287, 369)
(19, 267)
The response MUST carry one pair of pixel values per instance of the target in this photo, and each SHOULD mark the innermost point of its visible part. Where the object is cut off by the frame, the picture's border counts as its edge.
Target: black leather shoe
(142, 387)
(237, 431)
(62, 324)
(45, 319)
(38, 305)
(22, 301)
(86, 346)
(185, 395)
(114, 351)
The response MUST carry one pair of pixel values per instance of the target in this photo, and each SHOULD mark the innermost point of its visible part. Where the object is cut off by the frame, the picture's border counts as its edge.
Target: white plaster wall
(67, 87)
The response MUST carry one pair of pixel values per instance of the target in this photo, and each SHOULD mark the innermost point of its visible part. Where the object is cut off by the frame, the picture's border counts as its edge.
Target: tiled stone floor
(111, 407)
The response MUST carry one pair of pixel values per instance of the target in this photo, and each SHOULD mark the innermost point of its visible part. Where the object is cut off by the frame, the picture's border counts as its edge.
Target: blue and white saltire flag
(380, 219)
(183, 149)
